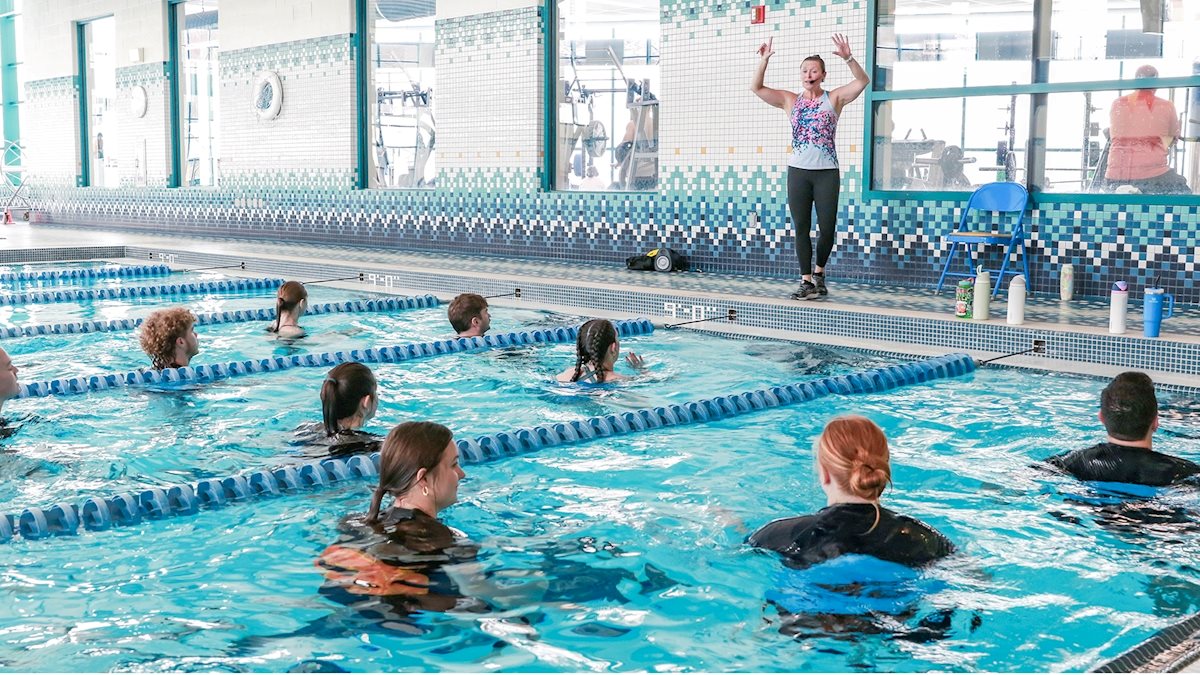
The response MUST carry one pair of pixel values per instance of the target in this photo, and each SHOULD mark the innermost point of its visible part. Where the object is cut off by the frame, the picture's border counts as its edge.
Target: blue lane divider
(82, 274)
(70, 295)
(219, 371)
(131, 508)
(214, 318)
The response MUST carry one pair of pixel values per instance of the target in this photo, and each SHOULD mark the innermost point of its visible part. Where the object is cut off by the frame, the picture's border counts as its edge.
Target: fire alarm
(758, 14)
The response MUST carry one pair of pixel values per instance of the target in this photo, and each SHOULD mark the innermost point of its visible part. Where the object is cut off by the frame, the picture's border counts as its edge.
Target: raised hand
(635, 361)
(841, 46)
(767, 50)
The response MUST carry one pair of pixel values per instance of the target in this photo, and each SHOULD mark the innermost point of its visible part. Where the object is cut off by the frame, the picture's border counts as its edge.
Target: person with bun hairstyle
(349, 399)
(597, 350)
(290, 304)
(853, 466)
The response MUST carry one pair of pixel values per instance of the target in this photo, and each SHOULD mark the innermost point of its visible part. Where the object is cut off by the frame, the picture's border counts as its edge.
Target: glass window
(1132, 141)
(401, 45)
(949, 143)
(100, 123)
(199, 90)
(931, 44)
(608, 83)
(1110, 40)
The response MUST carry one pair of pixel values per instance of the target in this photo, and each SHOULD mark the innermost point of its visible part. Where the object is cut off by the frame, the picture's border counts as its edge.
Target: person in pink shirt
(1142, 126)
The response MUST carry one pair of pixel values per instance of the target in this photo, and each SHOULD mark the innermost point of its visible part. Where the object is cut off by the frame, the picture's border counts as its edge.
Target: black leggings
(806, 186)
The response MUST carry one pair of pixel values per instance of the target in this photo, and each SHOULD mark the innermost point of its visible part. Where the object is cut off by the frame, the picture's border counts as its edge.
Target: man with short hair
(169, 338)
(1129, 412)
(469, 315)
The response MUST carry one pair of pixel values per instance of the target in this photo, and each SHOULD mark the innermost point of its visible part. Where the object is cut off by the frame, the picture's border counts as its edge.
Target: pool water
(626, 554)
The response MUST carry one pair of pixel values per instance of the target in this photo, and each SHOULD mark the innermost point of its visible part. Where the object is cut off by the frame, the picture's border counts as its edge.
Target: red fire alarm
(758, 14)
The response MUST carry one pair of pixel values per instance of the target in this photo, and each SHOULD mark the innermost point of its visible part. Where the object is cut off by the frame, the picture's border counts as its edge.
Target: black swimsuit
(1116, 463)
(846, 528)
(342, 444)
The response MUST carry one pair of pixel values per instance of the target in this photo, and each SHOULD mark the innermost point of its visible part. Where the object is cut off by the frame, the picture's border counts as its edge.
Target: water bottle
(1066, 282)
(983, 295)
(963, 298)
(1118, 307)
(1016, 300)
(1153, 310)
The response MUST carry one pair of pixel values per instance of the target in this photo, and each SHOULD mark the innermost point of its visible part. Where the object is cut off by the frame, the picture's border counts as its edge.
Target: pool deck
(902, 320)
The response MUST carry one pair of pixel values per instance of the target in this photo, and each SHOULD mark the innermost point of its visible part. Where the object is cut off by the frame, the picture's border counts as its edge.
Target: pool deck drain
(901, 320)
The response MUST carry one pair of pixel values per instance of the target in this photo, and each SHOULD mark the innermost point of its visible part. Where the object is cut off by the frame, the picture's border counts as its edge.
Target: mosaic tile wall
(722, 201)
(50, 131)
(143, 151)
(311, 143)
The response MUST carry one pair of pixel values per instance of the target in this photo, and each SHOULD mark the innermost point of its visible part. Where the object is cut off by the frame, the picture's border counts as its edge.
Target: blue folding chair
(1005, 198)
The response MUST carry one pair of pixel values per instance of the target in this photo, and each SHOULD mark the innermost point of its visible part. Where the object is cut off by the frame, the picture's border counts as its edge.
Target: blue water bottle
(1152, 310)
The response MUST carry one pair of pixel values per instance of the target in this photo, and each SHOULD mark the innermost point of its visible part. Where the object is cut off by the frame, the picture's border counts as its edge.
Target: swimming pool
(617, 554)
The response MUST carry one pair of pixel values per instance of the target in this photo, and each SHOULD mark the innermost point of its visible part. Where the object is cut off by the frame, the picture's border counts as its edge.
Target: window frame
(1039, 90)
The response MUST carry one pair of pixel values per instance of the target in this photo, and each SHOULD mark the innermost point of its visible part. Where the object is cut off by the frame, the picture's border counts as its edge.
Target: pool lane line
(237, 316)
(85, 274)
(67, 386)
(1170, 650)
(191, 288)
(130, 508)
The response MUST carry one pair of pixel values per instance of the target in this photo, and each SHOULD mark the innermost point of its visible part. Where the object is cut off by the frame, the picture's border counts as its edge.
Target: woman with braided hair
(597, 350)
(853, 465)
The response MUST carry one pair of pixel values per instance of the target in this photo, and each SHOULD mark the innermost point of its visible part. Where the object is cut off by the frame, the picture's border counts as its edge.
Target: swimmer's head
(349, 392)
(418, 465)
(9, 387)
(292, 300)
(1129, 408)
(852, 451)
(169, 338)
(812, 71)
(469, 315)
(596, 347)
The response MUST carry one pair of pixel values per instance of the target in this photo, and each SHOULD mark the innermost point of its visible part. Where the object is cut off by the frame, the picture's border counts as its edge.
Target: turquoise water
(621, 554)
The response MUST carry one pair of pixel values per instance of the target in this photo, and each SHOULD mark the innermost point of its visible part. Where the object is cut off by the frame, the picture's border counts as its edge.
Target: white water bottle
(1016, 300)
(1066, 282)
(983, 295)
(1118, 307)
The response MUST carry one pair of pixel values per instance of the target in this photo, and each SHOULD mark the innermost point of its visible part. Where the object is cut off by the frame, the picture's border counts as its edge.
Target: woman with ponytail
(398, 549)
(349, 400)
(597, 350)
(853, 466)
(290, 304)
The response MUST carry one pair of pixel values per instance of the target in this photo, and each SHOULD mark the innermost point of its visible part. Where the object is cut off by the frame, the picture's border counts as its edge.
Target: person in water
(853, 466)
(597, 350)
(396, 552)
(1129, 413)
(10, 388)
(169, 338)
(469, 316)
(290, 304)
(349, 399)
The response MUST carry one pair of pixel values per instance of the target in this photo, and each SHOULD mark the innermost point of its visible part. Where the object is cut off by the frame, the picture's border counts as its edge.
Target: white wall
(253, 23)
(452, 9)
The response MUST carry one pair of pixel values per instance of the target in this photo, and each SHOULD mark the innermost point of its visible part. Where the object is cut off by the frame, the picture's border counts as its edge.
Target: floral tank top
(814, 125)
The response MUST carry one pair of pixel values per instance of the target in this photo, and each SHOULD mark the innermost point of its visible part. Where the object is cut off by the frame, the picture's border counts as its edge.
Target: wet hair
(463, 308)
(1129, 406)
(854, 450)
(159, 332)
(595, 338)
(341, 391)
(820, 61)
(290, 295)
(409, 447)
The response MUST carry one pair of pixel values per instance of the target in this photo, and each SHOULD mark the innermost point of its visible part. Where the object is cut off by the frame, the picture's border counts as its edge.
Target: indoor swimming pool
(623, 553)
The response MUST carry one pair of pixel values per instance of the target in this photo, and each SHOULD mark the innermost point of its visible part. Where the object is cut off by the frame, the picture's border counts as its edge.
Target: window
(607, 70)
(400, 93)
(98, 113)
(198, 87)
(1064, 96)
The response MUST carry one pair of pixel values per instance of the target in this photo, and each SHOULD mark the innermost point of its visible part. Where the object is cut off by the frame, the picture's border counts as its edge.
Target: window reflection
(199, 86)
(1110, 40)
(400, 75)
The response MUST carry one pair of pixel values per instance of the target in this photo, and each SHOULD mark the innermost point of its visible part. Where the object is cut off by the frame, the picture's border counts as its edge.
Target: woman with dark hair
(396, 551)
(596, 352)
(349, 399)
(814, 175)
(290, 304)
(853, 465)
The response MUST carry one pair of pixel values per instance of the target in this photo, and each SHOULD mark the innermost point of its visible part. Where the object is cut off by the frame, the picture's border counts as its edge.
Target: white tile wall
(253, 23)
